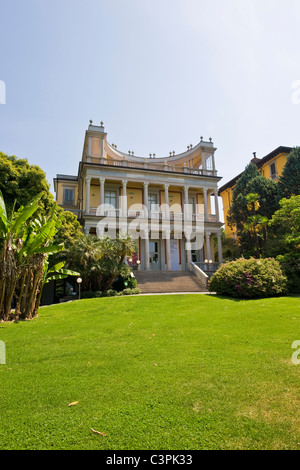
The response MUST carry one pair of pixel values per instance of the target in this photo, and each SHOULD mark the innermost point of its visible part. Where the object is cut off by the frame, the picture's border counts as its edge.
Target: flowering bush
(249, 278)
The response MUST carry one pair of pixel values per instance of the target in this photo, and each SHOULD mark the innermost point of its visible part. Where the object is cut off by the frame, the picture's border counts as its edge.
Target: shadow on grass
(245, 299)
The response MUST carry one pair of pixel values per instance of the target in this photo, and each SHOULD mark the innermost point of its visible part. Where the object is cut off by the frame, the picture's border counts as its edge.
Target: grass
(153, 372)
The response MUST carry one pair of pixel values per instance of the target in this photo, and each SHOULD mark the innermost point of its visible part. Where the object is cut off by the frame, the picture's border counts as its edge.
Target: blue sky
(159, 73)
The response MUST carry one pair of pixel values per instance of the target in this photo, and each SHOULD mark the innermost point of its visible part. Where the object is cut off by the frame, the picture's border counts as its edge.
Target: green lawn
(153, 372)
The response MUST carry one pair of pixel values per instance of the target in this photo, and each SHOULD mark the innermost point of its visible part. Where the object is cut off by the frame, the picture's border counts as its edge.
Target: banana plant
(53, 274)
(11, 242)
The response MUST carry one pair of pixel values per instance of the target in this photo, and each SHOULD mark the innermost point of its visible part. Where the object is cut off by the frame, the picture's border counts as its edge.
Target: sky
(158, 73)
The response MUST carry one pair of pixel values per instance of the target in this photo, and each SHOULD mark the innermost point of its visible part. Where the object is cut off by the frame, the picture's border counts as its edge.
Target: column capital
(124, 182)
(102, 180)
(88, 179)
(207, 234)
(146, 183)
(205, 190)
(186, 187)
(166, 186)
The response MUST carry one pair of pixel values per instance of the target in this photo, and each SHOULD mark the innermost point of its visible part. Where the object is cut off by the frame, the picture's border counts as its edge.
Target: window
(192, 209)
(152, 202)
(273, 172)
(209, 163)
(110, 199)
(69, 196)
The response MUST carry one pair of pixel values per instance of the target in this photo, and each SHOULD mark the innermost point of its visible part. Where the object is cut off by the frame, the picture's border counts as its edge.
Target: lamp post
(79, 281)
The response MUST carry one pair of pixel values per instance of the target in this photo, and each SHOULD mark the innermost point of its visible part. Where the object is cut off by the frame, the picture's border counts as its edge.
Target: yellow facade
(270, 166)
(105, 175)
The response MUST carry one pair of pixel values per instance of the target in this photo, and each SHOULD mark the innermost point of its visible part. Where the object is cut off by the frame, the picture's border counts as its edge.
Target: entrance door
(154, 258)
(174, 246)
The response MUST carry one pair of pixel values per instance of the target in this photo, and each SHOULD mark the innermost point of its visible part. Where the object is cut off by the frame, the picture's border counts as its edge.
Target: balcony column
(188, 253)
(220, 252)
(213, 162)
(146, 241)
(89, 146)
(102, 197)
(124, 198)
(217, 204)
(167, 211)
(205, 204)
(207, 246)
(168, 250)
(146, 196)
(186, 202)
(102, 147)
(87, 194)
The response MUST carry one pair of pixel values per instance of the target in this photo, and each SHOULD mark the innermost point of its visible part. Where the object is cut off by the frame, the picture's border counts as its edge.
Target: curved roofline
(202, 145)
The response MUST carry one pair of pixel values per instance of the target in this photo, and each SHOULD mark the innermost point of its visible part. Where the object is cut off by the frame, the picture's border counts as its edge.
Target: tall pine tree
(289, 182)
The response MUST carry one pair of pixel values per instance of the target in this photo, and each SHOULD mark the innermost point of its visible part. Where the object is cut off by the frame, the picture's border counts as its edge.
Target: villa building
(270, 166)
(160, 199)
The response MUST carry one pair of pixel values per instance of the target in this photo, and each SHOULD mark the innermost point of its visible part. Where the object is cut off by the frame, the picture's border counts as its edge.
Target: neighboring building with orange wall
(270, 166)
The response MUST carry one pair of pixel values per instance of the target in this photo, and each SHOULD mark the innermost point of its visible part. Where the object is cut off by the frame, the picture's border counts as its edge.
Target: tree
(69, 229)
(286, 221)
(256, 225)
(25, 244)
(286, 247)
(100, 261)
(255, 199)
(289, 182)
(20, 182)
(252, 181)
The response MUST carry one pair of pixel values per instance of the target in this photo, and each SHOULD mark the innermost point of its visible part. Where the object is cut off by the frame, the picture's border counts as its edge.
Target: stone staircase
(156, 282)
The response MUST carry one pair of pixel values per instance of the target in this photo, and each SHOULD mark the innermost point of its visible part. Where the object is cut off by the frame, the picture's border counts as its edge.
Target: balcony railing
(154, 215)
(208, 268)
(151, 166)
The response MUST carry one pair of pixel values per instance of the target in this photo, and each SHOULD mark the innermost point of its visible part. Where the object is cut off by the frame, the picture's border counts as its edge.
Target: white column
(167, 212)
(146, 241)
(89, 151)
(188, 253)
(213, 162)
(146, 204)
(186, 202)
(124, 198)
(168, 250)
(217, 204)
(220, 252)
(205, 204)
(102, 198)
(87, 194)
(86, 230)
(101, 146)
(207, 245)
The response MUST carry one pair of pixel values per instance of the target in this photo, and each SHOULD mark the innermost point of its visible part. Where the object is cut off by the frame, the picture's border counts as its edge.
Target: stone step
(168, 282)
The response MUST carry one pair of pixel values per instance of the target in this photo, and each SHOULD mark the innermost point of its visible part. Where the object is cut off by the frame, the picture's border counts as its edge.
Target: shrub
(290, 264)
(249, 278)
(126, 282)
(109, 293)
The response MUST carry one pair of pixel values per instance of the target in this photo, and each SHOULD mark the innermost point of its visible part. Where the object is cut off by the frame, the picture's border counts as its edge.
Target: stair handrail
(199, 273)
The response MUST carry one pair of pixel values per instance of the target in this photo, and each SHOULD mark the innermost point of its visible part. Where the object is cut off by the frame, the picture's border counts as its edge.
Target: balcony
(153, 215)
(151, 166)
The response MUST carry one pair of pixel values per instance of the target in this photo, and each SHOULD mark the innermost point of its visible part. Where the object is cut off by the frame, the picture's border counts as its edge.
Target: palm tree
(100, 261)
